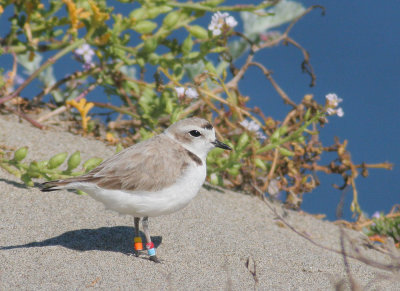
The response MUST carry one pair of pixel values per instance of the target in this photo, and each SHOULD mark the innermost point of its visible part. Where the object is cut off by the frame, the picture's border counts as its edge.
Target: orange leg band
(138, 243)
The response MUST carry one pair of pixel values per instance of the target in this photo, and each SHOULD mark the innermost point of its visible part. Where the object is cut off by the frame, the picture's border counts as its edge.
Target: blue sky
(354, 50)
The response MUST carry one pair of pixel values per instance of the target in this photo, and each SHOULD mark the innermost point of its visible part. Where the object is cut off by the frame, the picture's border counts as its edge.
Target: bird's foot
(138, 253)
(151, 251)
(154, 259)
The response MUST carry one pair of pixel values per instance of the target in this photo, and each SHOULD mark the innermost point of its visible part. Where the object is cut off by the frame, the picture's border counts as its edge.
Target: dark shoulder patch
(194, 157)
(208, 126)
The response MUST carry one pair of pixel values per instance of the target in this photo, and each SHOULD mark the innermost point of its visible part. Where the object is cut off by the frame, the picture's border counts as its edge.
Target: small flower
(86, 53)
(231, 21)
(189, 92)
(254, 127)
(340, 112)
(332, 111)
(376, 214)
(221, 22)
(180, 91)
(18, 80)
(260, 135)
(332, 101)
(250, 125)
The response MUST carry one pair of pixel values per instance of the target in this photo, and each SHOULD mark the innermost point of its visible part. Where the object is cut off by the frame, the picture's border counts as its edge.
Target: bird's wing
(148, 166)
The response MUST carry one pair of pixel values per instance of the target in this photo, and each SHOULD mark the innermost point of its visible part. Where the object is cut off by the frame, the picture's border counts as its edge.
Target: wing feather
(148, 166)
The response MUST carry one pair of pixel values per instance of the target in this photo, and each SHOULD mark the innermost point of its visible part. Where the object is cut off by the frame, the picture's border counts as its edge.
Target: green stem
(10, 169)
(202, 7)
(290, 137)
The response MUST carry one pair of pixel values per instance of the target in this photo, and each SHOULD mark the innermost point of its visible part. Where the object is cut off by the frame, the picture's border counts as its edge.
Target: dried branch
(358, 257)
(63, 108)
(278, 89)
(73, 76)
(305, 65)
(22, 115)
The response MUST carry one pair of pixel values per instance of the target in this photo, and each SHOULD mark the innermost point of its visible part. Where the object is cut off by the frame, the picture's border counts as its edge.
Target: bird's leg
(137, 239)
(149, 245)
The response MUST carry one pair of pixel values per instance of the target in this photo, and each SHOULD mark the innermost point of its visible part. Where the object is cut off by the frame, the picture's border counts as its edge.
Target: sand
(64, 241)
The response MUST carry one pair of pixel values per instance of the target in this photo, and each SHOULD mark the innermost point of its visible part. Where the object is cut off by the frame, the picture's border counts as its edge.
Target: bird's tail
(63, 184)
(54, 185)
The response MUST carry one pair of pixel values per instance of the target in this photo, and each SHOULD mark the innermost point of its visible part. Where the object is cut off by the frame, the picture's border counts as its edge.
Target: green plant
(138, 60)
(386, 226)
(48, 169)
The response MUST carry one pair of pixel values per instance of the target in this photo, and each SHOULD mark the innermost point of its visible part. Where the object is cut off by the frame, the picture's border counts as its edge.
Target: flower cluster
(190, 93)
(86, 53)
(221, 22)
(332, 102)
(253, 127)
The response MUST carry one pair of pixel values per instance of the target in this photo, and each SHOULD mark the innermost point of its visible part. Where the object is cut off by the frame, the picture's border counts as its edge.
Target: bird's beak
(221, 145)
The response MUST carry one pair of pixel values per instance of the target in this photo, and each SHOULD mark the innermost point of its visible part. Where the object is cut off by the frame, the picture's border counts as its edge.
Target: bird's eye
(195, 133)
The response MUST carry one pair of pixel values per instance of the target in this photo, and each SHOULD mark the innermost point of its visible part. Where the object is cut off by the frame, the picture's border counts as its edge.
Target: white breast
(139, 204)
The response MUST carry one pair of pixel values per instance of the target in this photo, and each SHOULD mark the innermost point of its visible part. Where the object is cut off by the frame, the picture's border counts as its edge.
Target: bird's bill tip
(221, 145)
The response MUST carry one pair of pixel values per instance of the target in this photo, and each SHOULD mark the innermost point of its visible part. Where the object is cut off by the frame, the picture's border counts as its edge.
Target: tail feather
(62, 184)
(53, 185)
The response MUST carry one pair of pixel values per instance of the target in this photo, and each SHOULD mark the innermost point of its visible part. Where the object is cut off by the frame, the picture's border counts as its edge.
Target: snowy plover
(155, 177)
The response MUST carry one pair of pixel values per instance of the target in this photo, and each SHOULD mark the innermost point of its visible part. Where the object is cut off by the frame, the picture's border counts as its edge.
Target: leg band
(150, 249)
(138, 243)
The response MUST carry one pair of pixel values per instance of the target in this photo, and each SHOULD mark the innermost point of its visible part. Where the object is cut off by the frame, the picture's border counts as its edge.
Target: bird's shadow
(111, 239)
(15, 184)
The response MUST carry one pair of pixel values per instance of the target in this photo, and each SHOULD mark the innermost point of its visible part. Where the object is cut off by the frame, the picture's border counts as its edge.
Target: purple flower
(86, 53)
(376, 214)
(254, 127)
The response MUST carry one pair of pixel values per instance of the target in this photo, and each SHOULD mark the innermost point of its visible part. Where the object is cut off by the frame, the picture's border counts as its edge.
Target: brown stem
(278, 89)
(22, 115)
(63, 108)
(306, 65)
(115, 108)
(272, 170)
(284, 37)
(73, 76)
(358, 257)
(234, 82)
(385, 165)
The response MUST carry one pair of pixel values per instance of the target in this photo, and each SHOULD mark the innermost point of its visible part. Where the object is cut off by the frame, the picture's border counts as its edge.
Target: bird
(154, 177)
